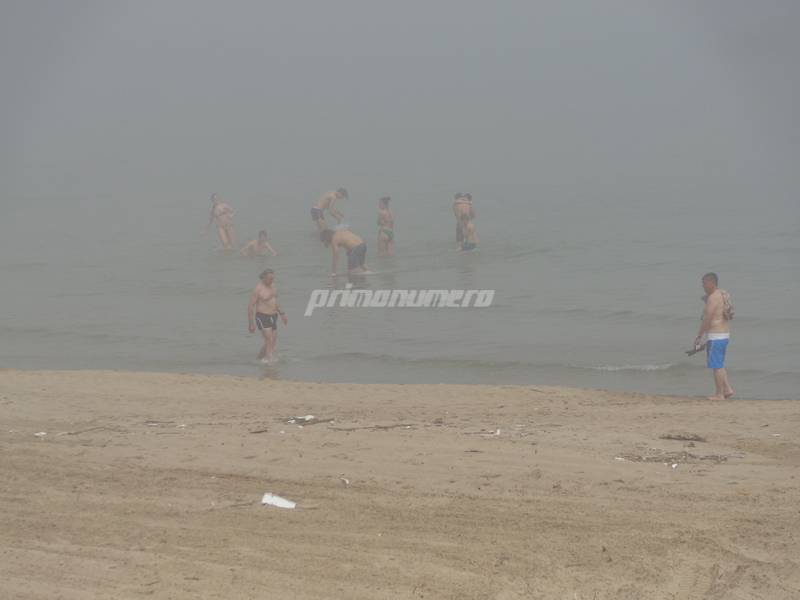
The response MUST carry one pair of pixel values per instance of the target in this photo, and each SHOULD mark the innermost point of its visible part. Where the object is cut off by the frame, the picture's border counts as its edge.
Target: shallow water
(592, 289)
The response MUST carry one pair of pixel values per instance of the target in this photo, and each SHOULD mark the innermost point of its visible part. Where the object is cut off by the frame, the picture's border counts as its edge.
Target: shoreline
(289, 380)
(150, 483)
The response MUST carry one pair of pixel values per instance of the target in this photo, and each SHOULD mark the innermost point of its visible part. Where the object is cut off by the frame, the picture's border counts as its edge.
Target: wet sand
(149, 485)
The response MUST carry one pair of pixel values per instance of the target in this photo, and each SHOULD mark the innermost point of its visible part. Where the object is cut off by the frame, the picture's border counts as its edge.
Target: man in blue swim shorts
(716, 329)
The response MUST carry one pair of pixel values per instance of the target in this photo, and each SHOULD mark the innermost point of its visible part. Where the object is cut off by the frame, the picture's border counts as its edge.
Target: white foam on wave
(662, 367)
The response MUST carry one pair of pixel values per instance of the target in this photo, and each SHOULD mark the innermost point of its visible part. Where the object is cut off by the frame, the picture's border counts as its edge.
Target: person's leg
(269, 343)
(362, 258)
(381, 237)
(727, 390)
(265, 345)
(719, 385)
(223, 237)
(273, 343)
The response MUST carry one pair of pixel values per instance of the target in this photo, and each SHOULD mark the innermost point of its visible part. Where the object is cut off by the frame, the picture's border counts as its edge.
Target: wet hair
(266, 272)
(468, 196)
(711, 276)
(262, 232)
(459, 195)
(342, 192)
(214, 196)
(326, 236)
(385, 200)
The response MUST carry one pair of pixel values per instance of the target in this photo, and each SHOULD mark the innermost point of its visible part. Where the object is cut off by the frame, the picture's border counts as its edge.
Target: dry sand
(149, 485)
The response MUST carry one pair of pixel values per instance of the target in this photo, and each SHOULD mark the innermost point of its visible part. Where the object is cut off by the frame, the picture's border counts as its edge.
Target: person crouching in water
(258, 247)
(353, 245)
(263, 312)
(385, 228)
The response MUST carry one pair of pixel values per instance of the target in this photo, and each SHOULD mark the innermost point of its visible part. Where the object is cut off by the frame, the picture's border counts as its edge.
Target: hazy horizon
(146, 99)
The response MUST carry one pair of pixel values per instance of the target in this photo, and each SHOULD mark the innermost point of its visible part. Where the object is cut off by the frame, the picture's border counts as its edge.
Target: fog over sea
(613, 158)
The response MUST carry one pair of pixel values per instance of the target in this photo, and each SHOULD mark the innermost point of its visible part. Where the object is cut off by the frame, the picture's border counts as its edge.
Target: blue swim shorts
(715, 353)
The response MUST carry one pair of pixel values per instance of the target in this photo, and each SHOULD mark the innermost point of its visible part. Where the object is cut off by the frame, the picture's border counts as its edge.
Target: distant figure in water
(463, 212)
(716, 328)
(470, 236)
(385, 228)
(327, 202)
(258, 247)
(263, 312)
(222, 215)
(353, 245)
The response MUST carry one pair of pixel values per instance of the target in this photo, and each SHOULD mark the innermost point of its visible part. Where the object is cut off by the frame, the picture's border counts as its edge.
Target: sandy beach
(128, 485)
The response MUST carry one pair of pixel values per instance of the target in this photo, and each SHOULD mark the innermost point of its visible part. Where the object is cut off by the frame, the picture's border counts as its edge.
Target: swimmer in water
(258, 247)
(463, 212)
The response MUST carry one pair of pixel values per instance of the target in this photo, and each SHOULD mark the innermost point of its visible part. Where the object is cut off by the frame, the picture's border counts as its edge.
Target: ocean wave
(614, 368)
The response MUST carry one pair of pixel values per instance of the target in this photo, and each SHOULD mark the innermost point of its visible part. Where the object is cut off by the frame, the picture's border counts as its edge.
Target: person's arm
(251, 311)
(281, 313)
(271, 249)
(335, 213)
(247, 249)
(335, 255)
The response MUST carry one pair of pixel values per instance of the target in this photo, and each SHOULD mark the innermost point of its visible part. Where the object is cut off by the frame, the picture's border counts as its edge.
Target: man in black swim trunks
(353, 245)
(263, 312)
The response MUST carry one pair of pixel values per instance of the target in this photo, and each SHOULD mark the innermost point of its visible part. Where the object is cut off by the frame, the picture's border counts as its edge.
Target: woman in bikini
(222, 214)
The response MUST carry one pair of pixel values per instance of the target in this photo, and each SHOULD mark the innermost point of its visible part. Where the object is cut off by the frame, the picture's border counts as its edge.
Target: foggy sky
(177, 99)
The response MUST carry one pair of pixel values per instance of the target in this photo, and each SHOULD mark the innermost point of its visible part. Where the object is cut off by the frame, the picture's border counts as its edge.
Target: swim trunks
(716, 347)
(356, 256)
(389, 233)
(316, 213)
(467, 246)
(265, 321)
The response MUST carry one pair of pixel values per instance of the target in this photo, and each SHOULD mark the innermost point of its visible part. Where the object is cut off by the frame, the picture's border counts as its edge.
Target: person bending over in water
(263, 312)
(222, 214)
(327, 202)
(355, 247)
(463, 212)
(385, 228)
(717, 330)
(258, 247)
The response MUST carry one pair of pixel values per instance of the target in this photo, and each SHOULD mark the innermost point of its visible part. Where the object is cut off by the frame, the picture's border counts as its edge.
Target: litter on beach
(280, 502)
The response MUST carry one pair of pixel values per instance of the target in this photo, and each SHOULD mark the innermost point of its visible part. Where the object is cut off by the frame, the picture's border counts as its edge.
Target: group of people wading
(263, 311)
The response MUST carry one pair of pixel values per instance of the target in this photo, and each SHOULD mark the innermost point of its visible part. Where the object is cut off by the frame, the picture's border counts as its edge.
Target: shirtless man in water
(263, 312)
(464, 213)
(353, 245)
(717, 330)
(222, 214)
(327, 202)
(258, 247)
